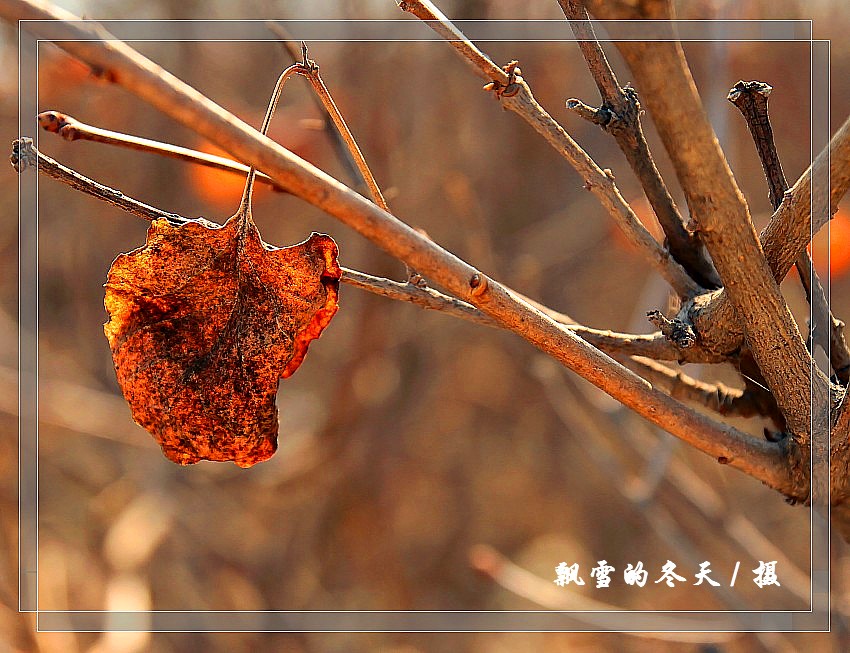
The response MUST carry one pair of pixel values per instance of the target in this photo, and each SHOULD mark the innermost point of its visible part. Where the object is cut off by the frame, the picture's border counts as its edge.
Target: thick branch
(839, 471)
(721, 213)
(751, 99)
(786, 235)
(620, 116)
(791, 227)
(515, 95)
(763, 460)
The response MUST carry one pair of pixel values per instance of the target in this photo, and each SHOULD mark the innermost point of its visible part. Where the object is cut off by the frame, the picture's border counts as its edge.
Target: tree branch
(723, 219)
(786, 235)
(72, 129)
(515, 94)
(343, 153)
(791, 227)
(766, 461)
(714, 396)
(751, 99)
(619, 115)
(25, 155)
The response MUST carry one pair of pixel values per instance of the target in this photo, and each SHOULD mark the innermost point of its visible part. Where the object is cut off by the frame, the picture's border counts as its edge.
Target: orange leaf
(203, 323)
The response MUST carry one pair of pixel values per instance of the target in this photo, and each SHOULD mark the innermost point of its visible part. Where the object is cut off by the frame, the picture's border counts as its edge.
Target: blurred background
(425, 463)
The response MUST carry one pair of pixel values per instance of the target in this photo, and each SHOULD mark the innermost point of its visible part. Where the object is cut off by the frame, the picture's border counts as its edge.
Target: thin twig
(620, 115)
(715, 396)
(766, 461)
(751, 99)
(24, 155)
(293, 50)
(515, 94)
(72, 129)
(310, 70)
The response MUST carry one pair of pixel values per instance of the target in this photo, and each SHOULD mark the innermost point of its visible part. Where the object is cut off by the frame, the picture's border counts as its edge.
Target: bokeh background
(416, 451)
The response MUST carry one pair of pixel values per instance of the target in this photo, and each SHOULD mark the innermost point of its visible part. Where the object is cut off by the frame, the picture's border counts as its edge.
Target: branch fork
(512, 86)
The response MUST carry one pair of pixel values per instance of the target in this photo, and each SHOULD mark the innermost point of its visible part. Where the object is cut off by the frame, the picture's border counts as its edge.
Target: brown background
(408, 437)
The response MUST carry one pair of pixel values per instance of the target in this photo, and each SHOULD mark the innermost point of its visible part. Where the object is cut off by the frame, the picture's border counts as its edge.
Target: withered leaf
(203, 323)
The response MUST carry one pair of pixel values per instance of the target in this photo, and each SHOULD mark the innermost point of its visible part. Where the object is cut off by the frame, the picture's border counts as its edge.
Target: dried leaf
(203, 323)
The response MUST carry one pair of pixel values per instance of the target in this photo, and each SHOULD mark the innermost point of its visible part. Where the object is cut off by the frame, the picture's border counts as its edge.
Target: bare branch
(515, 94)
(676, 331)
(620, 116)
(72, 129)
(839, 472)
(751, 99)
(714, 396)
(24, 155)
(766, 461)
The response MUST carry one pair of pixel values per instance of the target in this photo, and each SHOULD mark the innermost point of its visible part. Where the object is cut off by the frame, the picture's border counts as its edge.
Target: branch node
(513, 85)
(478, 284)
(601, 116)
(52, 121)
(754, 89)
(678, 332)
(22, 156)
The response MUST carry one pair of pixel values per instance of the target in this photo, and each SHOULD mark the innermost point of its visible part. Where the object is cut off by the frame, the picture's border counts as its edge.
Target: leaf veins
(203, 323)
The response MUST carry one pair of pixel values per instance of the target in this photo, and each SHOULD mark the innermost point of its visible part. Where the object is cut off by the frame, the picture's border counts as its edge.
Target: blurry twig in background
(521, 582)
(679, 481)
